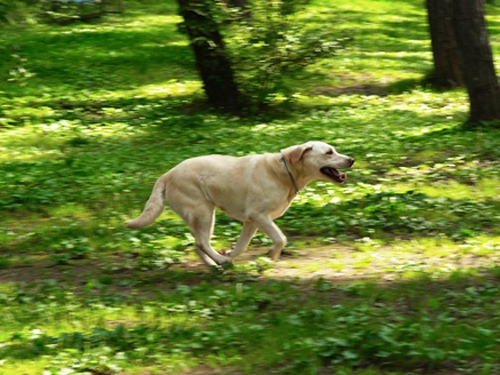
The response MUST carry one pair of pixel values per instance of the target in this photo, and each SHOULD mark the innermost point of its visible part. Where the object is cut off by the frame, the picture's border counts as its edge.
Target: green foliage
(9, 10)
(155, 255)
(18, 12)
(402, 331)
(393, 272)
(269, 45)
(399, 214)
(71, 249)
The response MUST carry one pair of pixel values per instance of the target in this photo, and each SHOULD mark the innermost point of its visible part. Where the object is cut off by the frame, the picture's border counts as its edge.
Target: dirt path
(334, 262)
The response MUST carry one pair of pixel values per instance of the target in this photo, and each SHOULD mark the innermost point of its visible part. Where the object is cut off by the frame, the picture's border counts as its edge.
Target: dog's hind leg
(201, 221)
(246, 235)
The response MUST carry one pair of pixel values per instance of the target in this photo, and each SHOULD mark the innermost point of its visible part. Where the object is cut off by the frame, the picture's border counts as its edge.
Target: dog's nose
(351, 161)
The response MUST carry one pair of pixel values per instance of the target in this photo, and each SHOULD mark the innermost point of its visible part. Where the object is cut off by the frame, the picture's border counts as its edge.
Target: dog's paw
(225, 260)
(273, 256)
(221, 257)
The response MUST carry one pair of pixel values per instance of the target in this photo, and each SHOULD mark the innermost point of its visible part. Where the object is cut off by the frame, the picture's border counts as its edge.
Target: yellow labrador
(254, 189)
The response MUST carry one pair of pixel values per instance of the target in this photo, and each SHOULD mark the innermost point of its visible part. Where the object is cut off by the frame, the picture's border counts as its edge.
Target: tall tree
(479, 71)
(210, 54)
(448, 71)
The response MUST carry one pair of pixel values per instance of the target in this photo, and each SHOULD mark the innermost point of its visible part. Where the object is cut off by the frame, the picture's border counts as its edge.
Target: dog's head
(318, 160)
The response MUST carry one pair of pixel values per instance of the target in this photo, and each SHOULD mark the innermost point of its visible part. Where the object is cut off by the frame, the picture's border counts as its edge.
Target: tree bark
(211, 58)
(479, 71)
(448, 72)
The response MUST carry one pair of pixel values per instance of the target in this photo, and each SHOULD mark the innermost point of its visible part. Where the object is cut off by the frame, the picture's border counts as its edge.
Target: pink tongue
(343, 176)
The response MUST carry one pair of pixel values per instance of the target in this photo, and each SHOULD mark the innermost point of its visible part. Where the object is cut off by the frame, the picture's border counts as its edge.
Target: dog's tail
(153, 207)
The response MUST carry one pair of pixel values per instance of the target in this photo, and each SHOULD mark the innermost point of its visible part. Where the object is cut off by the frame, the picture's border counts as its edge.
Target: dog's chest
(281, 207)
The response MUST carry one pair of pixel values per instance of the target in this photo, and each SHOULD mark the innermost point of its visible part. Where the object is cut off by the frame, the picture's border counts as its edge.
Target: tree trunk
(448, 72)
(211, 59)
(477, 58)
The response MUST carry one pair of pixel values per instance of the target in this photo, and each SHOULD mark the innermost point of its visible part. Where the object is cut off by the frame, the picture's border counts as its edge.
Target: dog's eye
(329, 152)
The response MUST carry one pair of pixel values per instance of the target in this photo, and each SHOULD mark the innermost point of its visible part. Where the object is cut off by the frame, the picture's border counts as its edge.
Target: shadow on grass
(106, 276)
(385, 217)
(100, 56)
(424, 309)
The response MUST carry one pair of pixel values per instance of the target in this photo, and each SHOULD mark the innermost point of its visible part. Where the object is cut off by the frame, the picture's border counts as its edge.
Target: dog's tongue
(342, 176)
(332, 172)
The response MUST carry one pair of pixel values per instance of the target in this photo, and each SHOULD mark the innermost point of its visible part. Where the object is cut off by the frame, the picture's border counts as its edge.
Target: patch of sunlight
(423, 95)
(484, 188)
(178, 43)
(70, 209)
(399, 54)
(366, 244)
(155, 20)
(268, 128)
(172, 87)
(362, 262)
(139, 23)
(481, 246)
(313, 267)
(181, 43)
(336, 266)
(374, 7)
(25, 144)
(27, 154)
(26, 112)
(489, 187)
(441, 247)
(435, 246)
(418, 131)
(48, 141)
(23, 366)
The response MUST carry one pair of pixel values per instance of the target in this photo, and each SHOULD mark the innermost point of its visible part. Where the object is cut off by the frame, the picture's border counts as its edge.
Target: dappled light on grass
(485, 188)
(174, 88)
(394, 271)
(154, 20)
(178, 327)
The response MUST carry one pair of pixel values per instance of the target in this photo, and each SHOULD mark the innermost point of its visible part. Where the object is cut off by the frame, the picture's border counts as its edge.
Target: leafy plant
(5, 260)
(72, 249)
(271, 45)
(392, 272)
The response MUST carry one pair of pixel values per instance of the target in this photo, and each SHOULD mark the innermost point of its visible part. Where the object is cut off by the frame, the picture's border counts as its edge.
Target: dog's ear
(294, 153)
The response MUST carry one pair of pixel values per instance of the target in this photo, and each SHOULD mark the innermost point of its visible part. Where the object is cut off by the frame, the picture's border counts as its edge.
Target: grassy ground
(394, 272)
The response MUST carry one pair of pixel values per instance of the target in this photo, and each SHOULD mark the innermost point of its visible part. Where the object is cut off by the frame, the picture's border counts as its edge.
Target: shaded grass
(360, 324)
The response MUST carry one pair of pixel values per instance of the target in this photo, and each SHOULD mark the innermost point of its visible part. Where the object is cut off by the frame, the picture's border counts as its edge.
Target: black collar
(290, 174)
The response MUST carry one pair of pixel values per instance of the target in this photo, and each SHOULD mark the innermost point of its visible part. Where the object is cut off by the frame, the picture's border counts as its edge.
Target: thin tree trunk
(448, 72)
(211, 59)
(479, 70)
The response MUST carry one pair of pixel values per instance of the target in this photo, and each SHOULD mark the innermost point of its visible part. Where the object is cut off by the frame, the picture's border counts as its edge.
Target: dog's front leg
(267, 225)
(246, 235)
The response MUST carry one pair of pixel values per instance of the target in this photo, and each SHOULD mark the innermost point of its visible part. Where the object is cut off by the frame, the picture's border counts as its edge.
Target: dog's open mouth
(334, 174)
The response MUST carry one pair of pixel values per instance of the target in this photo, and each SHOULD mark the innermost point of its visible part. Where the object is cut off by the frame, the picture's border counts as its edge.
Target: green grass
(393, 272)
